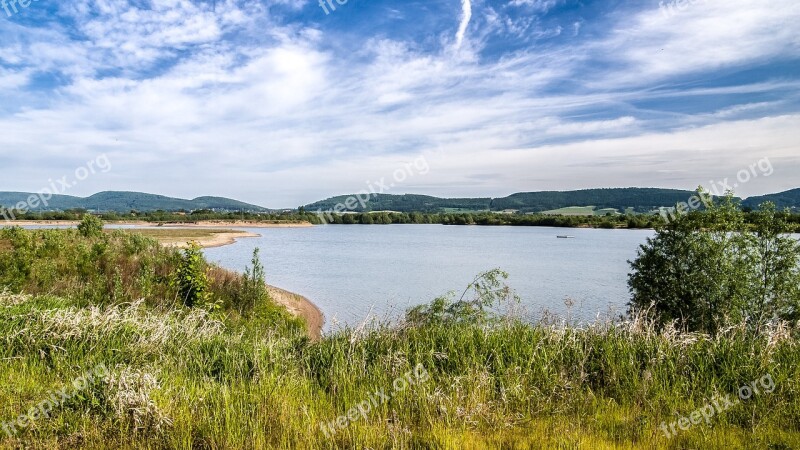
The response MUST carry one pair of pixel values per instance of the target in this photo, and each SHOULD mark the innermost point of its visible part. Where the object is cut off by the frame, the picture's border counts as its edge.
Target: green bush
(708, 269)
(90, 226)
(191, 277)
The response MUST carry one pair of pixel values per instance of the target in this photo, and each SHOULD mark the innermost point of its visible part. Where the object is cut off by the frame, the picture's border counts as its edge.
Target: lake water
(352, 271)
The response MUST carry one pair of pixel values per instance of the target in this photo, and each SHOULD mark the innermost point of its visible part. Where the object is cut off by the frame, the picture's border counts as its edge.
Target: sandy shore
(300, 306)
(222, 238)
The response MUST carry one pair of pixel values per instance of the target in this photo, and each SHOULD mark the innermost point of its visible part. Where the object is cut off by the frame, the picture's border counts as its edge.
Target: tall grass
(191, 378)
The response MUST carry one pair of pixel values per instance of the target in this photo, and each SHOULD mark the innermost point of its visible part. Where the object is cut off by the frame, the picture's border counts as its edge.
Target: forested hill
(621, 199)
(124, 202)
(404, 203)
(639, 199)
(788, 199)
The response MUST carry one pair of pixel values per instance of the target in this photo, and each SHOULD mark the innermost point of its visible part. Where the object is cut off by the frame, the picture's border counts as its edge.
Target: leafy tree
(705, 268)
(90, 226)
(774, 257)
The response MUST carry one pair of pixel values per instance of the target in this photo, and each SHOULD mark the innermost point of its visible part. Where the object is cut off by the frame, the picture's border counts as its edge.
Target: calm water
(349, 271)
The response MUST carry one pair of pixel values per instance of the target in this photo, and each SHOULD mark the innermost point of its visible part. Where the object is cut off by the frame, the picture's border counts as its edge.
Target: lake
(352, 271)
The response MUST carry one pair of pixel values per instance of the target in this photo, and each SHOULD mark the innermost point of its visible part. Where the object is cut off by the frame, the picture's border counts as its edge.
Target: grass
(581, 211)
(198, 378)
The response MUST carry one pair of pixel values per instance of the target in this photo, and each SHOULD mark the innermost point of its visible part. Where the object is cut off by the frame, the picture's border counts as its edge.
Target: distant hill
(788, 199)
(405, 203)
(638, 199)
(125, 201)
(621, 199)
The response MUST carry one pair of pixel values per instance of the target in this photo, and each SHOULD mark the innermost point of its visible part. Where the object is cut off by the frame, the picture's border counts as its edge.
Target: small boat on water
(565, 237)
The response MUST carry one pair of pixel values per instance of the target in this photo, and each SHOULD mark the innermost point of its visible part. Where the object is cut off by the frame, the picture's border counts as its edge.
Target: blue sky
(278, 103)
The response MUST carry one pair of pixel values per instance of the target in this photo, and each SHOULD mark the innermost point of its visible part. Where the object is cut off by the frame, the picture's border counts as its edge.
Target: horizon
(280, 101)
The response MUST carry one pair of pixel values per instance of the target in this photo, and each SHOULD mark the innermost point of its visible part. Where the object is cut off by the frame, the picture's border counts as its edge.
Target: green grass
(462, 210)
(189, 378)
(581, 211)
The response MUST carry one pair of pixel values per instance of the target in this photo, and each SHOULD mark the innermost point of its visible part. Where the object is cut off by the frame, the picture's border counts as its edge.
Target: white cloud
(705, 36)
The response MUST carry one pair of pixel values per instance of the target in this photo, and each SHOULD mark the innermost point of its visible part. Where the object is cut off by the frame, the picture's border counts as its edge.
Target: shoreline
(221, 239)
(239, 224)
(296, 304)
(300, 306)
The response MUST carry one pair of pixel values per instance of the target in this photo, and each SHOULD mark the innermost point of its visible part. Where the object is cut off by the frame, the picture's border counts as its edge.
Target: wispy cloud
(466, 16)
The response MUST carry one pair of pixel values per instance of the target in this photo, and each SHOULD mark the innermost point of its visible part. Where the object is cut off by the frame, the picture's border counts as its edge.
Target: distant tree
(383, 219)
(366, 219)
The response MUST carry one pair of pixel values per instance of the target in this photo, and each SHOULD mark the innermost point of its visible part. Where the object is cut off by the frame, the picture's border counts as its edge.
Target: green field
(580, 211)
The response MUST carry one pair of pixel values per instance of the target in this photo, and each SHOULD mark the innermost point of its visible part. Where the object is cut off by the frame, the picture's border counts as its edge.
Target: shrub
(705, 269)
(254, 286)
(191, 278)
(90, 226)
(489, 290)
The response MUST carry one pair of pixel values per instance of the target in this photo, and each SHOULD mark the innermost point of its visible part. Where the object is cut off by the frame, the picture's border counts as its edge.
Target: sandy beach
(301, 307)
(214, 238)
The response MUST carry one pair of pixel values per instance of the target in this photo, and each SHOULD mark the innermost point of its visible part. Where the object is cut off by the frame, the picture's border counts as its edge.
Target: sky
(284, 102)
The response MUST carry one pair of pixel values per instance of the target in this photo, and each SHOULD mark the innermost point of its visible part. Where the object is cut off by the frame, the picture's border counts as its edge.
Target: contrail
(466, 16)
